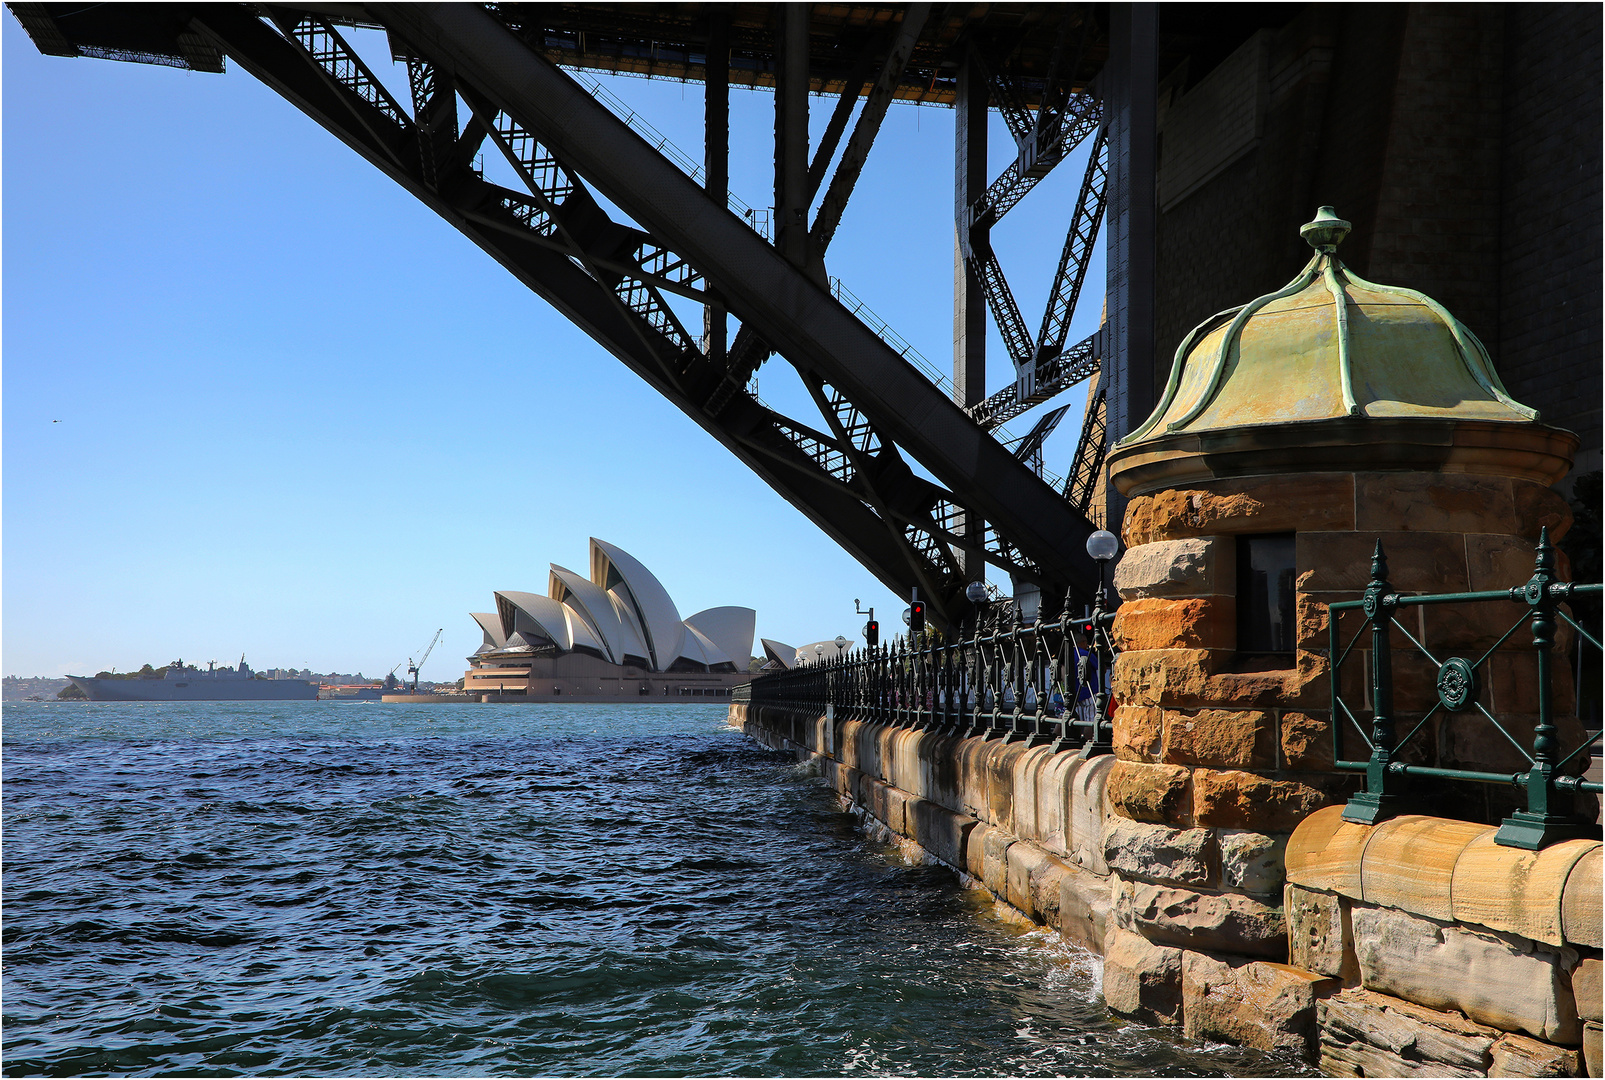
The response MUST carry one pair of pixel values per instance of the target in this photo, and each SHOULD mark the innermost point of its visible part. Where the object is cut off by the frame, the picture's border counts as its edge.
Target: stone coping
(1453, 871)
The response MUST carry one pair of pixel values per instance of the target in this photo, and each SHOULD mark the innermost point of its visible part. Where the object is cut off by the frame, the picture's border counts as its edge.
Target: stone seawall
(1197, 927)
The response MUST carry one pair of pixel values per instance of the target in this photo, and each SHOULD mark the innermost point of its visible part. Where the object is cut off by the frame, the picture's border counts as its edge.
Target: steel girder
(610, 279)
(1045, 367)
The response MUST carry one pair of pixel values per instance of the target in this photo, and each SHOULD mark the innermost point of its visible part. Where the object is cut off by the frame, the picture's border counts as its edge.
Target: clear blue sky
(259, 400)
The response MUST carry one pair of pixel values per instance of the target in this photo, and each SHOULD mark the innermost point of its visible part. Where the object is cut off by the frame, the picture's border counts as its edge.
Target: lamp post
(1102, 546)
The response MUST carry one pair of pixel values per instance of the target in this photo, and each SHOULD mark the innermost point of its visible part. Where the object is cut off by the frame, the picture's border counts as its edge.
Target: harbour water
(316, 889)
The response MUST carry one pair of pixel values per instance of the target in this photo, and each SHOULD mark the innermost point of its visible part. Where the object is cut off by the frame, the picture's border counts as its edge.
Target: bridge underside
(490, 81)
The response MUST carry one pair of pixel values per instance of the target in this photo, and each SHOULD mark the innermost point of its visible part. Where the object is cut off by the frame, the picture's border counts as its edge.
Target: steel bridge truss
(1043, 366)
(611, 277)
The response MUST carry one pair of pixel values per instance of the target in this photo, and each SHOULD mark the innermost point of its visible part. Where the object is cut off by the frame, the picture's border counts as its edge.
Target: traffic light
(872, 633)
(916, 620)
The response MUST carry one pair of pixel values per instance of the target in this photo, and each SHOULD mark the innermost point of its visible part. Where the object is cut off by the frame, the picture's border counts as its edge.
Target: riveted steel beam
(781, 304)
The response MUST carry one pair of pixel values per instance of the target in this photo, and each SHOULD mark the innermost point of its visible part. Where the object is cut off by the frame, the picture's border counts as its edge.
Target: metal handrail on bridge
(1549, 790)
(1039, 683)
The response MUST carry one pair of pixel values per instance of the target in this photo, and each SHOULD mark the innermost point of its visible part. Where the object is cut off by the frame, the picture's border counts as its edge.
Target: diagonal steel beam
(782, 304)
(604, 276)
(862, 140)
(852, 89)
(776, 300)
(1077, 253)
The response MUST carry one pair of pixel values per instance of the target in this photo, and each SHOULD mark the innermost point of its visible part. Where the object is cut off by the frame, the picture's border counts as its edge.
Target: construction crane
(412, 668)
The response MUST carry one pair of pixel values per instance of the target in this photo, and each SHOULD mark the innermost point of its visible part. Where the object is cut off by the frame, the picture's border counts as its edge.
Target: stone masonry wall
(1196, 926)
(1458, 957)
(1204, 744)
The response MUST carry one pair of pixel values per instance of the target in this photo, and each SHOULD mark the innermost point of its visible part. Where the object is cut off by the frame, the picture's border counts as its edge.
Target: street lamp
(1102, 545)
(841, 644)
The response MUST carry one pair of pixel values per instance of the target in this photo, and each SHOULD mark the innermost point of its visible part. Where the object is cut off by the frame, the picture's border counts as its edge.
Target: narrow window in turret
(1266, 606)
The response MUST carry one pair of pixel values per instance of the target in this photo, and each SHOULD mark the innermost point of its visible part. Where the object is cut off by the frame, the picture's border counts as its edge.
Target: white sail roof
(491, 624)
(618, 572)
(780, 653)
(730, 628)
(526, 613)
(611, 619)
(696, 647)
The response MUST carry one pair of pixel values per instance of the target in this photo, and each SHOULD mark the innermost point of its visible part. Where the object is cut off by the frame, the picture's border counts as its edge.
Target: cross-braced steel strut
(612, 279)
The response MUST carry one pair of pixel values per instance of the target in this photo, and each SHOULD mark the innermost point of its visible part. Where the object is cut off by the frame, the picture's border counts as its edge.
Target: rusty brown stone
(1243, 800)
(1510, 683)
(1189, 678)
(1141, 980)
(1539, 507)
(1586, 989)
(1139, 733)
(1468, 630)
(1306, 741)
(1190, 623)
(1217, 922)
(1428, 562)
(1498, 561)
(1219, 737)
(1251, 1003)
(1270, 504)
(1142, 792)
(1161, 677)
(1432, 502)
(1313, 617)
(1469, 741)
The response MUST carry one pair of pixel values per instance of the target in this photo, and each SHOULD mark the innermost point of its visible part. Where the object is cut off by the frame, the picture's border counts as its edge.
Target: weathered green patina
(1332, 371)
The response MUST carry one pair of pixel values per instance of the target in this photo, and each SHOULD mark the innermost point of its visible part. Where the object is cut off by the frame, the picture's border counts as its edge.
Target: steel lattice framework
(611, 277)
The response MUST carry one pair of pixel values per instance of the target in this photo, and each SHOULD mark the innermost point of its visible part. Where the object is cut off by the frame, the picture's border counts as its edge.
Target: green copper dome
(1334, 373)
(1329, 344)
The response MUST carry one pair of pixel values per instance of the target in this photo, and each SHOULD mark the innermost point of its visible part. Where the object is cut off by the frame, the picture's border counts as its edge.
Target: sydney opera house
(615, 635)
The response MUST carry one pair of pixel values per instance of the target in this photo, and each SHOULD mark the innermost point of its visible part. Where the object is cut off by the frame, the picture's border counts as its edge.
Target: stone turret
(1295, 432)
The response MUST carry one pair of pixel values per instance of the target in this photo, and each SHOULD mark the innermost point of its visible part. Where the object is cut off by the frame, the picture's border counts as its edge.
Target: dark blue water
(341, 889)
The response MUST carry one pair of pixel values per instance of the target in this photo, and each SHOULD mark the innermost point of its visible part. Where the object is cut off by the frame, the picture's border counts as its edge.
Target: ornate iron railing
(1548, 782)
(1035, 682)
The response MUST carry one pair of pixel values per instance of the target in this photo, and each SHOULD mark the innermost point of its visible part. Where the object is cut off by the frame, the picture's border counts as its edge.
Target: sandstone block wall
(1411, 948)
(1458, 957)
(1207, 740)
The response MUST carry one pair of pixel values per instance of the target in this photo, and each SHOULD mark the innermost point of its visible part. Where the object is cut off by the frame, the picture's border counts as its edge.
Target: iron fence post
(1381, 798)
(1060, 680)
(1547, 817)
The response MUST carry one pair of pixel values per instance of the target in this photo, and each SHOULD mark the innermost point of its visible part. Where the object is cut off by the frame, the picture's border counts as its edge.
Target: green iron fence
(1548, 782)
(1035, 682)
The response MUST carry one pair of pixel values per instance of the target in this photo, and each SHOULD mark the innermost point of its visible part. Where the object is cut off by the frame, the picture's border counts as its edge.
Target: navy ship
(182, 682)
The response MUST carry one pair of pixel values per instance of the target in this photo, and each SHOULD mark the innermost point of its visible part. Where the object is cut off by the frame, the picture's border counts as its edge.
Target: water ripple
(320, 890)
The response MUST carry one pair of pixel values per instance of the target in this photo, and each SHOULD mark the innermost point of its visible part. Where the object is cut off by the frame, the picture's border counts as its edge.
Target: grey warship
(182, 682)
